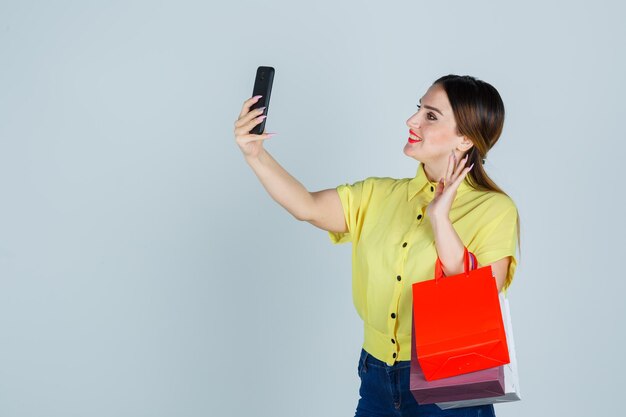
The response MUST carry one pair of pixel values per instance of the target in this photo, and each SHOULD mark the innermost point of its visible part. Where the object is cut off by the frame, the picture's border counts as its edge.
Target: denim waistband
(368, 360)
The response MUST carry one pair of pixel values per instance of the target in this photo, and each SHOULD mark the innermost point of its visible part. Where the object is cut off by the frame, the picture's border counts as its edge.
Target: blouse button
(419, 216)
(404, 245)
(399, 278)
(393, 315)
(432, 188)
(393, 341)
(394, 355)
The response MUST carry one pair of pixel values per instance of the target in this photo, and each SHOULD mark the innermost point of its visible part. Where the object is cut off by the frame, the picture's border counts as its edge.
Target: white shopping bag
(511, 377)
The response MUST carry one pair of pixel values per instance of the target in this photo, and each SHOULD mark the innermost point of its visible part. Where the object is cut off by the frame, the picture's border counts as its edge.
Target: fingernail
(471, 166)
(270, 134)
(257, 97)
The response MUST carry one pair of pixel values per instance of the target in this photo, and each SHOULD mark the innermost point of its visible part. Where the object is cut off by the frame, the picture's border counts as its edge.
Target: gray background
(144, 271)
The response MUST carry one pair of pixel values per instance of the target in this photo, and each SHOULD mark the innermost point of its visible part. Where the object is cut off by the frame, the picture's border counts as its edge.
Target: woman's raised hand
(447, 186)
(249, 143)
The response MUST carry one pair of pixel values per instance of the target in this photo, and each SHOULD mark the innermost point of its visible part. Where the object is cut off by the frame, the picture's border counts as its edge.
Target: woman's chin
(408, 151)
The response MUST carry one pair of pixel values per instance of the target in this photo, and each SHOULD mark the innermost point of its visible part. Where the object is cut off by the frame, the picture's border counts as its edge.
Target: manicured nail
(257, 97)
(270, 134)
(471, 166)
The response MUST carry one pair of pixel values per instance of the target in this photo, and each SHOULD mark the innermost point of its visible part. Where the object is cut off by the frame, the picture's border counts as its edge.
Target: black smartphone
(262, 86)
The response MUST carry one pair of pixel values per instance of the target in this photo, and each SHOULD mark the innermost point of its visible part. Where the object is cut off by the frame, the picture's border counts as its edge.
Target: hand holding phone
(251, 122)
(263, 87)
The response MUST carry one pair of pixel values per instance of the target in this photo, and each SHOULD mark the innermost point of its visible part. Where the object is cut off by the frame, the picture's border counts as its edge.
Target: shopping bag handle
(439, 266)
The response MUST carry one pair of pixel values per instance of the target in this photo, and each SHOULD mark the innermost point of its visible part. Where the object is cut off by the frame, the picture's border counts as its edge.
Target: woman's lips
(417, 138)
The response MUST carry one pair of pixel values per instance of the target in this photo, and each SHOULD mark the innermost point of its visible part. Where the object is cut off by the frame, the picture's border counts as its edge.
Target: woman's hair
(479, 113)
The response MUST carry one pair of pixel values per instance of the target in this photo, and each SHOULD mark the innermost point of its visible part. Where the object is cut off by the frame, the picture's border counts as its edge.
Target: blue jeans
(385, 393)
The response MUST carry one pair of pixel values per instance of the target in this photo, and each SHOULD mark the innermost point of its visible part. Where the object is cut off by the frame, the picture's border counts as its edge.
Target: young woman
(398, 227)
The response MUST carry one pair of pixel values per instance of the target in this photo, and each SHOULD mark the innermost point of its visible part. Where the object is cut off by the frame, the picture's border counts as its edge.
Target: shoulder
(500, 201)
(490, 203)
(378, 184)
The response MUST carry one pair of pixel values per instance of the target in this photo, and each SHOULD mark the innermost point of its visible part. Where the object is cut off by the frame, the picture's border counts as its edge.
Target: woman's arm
(322, 209)
(500, 269)
(450, 247)
(281, 186)
(450, 250)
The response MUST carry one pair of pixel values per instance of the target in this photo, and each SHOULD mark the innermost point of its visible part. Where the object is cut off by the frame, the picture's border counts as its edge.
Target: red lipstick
(414, 134)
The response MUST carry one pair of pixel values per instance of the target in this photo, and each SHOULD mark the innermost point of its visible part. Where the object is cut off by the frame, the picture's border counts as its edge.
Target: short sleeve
(497, 239)
(351, 196)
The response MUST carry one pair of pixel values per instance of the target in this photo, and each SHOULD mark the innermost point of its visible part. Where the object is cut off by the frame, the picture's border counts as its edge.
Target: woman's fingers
(464, 173)
(248, 117)
(243, 129)
(439, 189)
(460, 178)
(247, 104)
(455, 172)
(252, 138)
(459, 167)
(451, 167)
(250, 144)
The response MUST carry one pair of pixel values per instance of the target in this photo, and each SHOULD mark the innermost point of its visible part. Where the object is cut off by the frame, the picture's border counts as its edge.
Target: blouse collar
(420, 183)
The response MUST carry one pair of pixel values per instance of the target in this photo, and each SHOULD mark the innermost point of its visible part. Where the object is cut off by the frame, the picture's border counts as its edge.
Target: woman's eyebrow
(431, 108)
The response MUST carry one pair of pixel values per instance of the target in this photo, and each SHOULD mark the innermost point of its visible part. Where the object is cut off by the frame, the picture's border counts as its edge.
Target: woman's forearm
(281, 186)
(450, 248)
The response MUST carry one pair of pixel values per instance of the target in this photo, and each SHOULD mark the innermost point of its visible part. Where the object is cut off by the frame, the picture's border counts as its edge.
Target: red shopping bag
(457, 323)
(466, 387)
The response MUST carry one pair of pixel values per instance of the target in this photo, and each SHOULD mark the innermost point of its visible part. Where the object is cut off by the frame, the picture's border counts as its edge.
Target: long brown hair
(479, 114)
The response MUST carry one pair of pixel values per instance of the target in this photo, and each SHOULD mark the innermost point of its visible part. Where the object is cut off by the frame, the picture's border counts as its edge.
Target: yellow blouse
(393, 247)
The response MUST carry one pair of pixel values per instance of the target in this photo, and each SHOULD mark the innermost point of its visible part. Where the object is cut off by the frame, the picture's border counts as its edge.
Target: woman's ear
(465, 144)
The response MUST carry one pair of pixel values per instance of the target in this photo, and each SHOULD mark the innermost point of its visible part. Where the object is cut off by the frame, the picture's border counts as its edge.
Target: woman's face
(432, 130)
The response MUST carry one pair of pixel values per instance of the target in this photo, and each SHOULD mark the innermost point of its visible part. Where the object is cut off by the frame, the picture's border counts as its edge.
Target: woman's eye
(428, 115)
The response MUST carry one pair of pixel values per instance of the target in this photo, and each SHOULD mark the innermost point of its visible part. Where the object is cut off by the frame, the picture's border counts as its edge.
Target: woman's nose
(413, 122)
